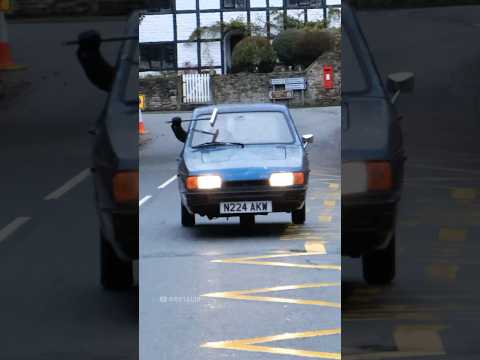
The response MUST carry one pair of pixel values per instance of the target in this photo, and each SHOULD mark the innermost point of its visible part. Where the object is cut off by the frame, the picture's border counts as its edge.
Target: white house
(166, 41)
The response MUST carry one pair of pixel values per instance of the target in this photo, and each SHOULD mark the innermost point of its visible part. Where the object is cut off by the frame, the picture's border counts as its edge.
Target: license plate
(245, 207)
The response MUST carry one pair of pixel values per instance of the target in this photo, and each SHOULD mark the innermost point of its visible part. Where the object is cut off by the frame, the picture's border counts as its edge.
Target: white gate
(196, 89)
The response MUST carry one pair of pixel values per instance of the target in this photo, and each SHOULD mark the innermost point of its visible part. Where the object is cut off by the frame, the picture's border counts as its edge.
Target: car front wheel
(188, 219)
(298, 216)
(379, 265)
(116, 274)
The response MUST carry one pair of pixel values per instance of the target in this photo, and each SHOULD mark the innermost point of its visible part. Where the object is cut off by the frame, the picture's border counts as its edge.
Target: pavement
(51, 305)
(218, 291)
(431, 310)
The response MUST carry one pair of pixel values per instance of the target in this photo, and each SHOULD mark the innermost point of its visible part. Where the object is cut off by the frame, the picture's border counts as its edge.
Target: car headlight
(362, 177)
(287, 179)
(203, 182)
(125, 187)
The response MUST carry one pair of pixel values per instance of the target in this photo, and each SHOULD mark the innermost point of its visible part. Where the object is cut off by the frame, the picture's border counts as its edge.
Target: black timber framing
(221, 11)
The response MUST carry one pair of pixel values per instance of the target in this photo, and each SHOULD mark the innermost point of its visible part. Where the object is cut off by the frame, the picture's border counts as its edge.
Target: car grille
(244, 184)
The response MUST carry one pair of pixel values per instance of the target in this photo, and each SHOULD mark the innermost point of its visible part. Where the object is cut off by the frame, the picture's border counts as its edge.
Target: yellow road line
(412, 341)
(467, 194)
(450, 234)
(325, 218)
(315, 246)
(391, 355)
(254, 260)
(250, 344)
(442, 271)
(245, 295)
(329, 203)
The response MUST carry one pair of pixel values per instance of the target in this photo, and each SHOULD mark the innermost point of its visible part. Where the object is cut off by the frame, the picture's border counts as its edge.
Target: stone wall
(42, 8)
(161, 92)
(164, 92)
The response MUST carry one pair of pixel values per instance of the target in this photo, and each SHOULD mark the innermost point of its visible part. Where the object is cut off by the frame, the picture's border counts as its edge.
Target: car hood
(366, 129)
(249, 162)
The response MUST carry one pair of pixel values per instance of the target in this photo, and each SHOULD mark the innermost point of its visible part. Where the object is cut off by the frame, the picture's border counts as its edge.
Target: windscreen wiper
(218, 143)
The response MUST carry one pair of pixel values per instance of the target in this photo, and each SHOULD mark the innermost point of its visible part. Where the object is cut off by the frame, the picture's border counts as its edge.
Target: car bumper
(120, 228)
(207, 203)
(366, 224)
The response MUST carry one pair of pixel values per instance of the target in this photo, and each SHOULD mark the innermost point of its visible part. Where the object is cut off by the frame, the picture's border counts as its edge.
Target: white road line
(144, 200)
(69, 185)
(12, 227)
(169, 181)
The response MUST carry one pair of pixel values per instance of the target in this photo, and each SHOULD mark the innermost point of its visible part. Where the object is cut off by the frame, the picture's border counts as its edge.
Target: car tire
(115, 274)
(188, 219)
(298, 216)
(379, 265)
(247, 220)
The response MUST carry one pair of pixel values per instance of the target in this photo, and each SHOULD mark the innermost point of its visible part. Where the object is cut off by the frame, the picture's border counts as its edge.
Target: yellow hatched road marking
(449, 234)
(315, 246)
(246, 295)
(325, 218)
(412, 341)
(254, 260)
(329, 203)
(442, 271)
(250, 344)
(468, 194)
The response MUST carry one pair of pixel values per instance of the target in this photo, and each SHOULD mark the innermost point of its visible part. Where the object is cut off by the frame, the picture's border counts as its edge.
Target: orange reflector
(125, 186)
(298, 178)
(191, 183)
(379, 175)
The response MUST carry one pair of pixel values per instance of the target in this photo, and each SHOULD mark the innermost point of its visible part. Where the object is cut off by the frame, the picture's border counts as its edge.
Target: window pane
(157, 57)
(353, 76)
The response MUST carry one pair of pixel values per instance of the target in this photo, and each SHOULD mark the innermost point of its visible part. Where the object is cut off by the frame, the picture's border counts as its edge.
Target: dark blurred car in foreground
(372, 155)
(115, 154)
(243, 160)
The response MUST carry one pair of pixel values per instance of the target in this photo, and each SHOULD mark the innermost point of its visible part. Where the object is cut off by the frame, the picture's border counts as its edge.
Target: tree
(284, 45)
(253, 54)
(311, 44)
(302, 46)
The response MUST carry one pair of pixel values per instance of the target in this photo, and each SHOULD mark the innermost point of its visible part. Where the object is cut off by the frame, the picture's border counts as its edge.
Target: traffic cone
(141, 125)
(6, 62)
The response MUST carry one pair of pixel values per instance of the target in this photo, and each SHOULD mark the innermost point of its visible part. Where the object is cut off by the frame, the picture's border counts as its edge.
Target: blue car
(243, 160)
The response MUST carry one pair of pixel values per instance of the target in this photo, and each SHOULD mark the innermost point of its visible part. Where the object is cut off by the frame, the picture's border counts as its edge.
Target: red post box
(328, 77)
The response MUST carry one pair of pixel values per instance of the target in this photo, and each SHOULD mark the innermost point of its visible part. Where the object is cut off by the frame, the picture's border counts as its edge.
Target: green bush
(302, 47)
(285, 46)
(253, 54)
(311, 45)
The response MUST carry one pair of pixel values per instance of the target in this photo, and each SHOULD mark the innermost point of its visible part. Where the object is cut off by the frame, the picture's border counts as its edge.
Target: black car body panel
(116, 150)
(371, 131)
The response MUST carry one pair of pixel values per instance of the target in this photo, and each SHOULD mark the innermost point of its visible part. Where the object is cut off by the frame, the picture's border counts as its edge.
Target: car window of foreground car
(245, 128)
(353, 75)
(129, 63)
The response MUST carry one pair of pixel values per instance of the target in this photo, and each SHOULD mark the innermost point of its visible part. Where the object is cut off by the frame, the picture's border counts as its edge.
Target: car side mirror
(307, 139)
(401, 82)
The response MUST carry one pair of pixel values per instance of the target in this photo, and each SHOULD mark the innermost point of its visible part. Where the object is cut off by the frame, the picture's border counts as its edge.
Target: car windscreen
(354, 78)
(244, 127)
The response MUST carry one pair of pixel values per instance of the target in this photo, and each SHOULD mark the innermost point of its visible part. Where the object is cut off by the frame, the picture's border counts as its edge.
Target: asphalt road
(51, 303)
(431, 311)
(218, 291)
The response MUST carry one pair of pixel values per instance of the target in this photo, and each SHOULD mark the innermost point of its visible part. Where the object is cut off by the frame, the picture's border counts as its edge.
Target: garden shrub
(253, 54)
